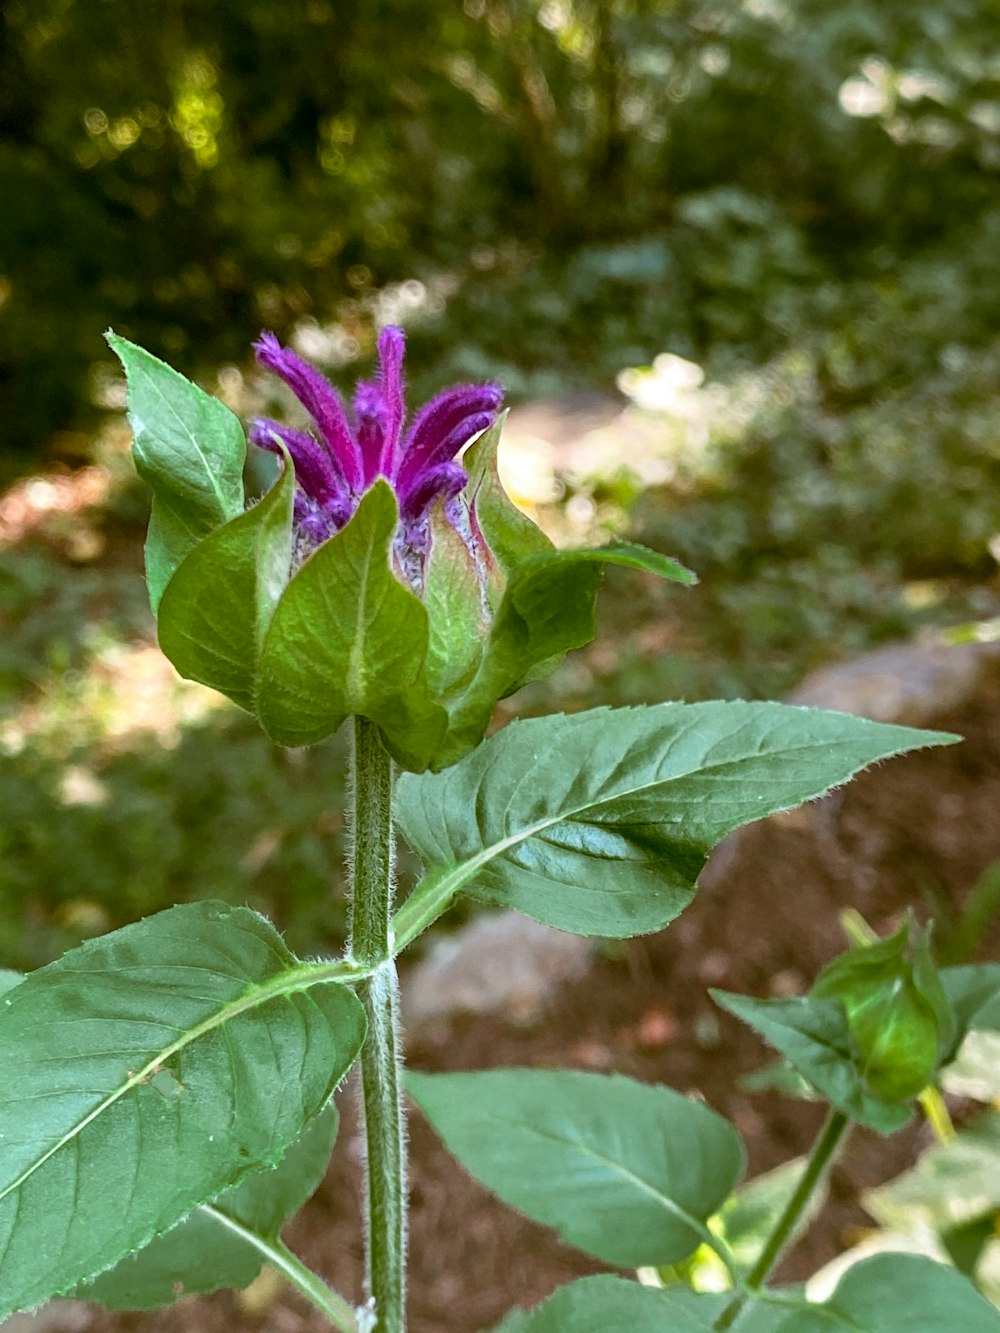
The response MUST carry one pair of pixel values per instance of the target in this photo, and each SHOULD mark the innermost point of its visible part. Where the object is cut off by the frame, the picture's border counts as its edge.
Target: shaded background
(773, 224)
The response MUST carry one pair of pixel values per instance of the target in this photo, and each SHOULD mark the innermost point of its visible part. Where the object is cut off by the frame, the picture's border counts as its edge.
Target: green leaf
(144, 1073)
(213, 1247)
(620, 1169)
(970, 1245)
(780, 1077)
(602, 1304)
(600, 822)
(897, 1011)
(892, 1292)
(974, 992)
(218, 606)
(744, 1222)
(975, 1071)
(547, 609)
(191, 450)
(9, 978)
(814, 1036)
(630, 555)
(457, 615)
(952, 1184)
(510, 535)
(758, 1317)
(605, 1304)
(348, 638)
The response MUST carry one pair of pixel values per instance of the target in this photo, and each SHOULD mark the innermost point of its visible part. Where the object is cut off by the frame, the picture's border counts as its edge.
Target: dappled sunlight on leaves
(129, 691)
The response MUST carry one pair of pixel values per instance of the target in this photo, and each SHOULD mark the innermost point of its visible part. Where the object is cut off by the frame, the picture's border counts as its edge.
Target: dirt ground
(764, 924)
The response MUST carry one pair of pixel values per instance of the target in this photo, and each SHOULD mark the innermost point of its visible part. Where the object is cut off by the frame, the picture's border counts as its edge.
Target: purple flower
(335, 466)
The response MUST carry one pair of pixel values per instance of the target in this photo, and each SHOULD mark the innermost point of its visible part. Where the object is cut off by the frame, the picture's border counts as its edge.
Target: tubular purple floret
(370, 415)
(316, 470)
(437, 423)
(313, 524)
(446, 448)
(441, 483)
(318, 397)
(391, 350)
(333, 471)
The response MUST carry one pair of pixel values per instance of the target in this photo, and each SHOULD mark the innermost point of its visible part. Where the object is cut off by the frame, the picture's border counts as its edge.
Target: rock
(504, 964)
(910, 683)
(57, 1317)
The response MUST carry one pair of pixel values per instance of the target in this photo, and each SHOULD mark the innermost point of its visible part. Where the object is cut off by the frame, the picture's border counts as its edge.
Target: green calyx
(898, 1014)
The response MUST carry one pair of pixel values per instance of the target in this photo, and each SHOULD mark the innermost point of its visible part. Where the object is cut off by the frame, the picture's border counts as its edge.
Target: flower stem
(824, 1150)
(936, 1111)
(371, 909)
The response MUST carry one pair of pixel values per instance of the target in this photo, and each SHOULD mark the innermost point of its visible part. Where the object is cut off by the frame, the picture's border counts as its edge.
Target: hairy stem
(371, 910)
(824, 1150)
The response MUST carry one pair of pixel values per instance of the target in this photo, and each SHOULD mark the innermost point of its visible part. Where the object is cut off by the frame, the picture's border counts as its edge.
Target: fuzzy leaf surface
(213, 1247)
(146, 1072)
(617, 1167)
(600, 822)
(191, 450)
(217, 608)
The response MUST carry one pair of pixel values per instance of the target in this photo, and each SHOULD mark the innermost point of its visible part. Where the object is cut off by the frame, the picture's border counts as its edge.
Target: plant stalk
(291, 1267)
(821, 1158)
(381, 1065)
(936, 1111)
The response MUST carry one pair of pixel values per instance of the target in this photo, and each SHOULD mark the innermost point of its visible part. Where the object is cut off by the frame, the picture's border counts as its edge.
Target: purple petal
(313, 525)
(444, 425)
(391, 349)
(441, 482)
(369, 411)
(319, 398)
(317, 522)
(316, 470)
(445, 448)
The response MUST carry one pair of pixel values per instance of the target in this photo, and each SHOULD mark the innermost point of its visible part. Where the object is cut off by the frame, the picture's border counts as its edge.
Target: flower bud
(898, 1014)
(382, 575)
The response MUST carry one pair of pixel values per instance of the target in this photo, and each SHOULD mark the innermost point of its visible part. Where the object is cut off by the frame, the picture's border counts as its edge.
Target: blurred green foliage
(590, 180)
(799, 196)
(93, 837)
(53, 622)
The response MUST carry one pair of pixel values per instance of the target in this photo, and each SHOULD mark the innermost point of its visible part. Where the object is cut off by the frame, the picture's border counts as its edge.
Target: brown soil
(764, 924)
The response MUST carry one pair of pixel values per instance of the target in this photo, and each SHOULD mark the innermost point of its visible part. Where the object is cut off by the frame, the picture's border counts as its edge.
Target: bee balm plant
(167, 1095)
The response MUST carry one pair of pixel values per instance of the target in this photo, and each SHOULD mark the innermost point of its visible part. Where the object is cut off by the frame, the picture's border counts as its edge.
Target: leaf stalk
(290, 1266)
(821, 1158)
